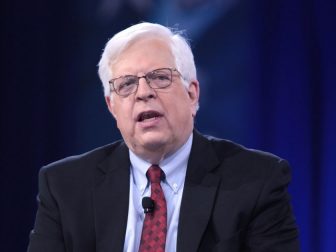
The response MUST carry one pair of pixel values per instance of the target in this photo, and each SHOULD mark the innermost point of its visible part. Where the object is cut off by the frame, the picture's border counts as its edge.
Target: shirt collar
(174, 166)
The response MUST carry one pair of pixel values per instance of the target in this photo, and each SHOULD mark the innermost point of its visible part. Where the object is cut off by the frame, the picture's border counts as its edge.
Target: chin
(154, 141)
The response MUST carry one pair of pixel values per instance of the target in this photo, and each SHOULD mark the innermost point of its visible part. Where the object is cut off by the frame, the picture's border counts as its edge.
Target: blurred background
(267, 71)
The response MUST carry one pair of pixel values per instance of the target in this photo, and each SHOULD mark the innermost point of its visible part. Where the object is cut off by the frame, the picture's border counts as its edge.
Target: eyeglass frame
(145, 76)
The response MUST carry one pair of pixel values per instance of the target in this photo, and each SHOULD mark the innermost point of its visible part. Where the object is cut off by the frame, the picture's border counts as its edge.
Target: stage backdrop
(267, 74)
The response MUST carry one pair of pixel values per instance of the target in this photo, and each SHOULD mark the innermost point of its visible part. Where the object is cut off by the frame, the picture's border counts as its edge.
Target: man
(206, 194)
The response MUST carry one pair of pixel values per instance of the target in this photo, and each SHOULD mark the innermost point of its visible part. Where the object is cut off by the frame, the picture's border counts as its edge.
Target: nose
(144, 91)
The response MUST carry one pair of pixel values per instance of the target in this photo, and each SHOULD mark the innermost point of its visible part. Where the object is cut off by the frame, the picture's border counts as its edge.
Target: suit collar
(202, 160)
(116, 158)
(199, 194)
(111, 196)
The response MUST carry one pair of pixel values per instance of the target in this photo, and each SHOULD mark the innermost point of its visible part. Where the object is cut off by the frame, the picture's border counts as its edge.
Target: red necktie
(154, 231)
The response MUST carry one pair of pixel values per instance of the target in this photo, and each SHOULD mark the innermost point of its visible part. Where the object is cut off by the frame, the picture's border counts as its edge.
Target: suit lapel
(111, 196)
(199, 194)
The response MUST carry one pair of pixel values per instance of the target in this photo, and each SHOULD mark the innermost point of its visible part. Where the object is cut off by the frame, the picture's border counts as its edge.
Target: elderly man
(164, 187)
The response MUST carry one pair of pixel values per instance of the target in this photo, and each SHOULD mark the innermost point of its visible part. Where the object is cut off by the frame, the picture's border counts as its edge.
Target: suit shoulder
(82, 161)
(240, 156)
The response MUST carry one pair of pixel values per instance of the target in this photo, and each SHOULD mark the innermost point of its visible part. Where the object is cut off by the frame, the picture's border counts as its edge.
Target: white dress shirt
(175, 167)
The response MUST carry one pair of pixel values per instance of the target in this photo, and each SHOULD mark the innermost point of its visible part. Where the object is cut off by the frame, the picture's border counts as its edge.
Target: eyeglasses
(156, 79)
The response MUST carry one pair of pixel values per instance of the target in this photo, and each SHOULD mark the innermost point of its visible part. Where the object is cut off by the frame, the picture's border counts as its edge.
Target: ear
(193, 92)
(110, 105)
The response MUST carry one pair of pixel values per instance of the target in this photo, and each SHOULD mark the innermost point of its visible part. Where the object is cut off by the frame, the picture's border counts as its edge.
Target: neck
(155, 154)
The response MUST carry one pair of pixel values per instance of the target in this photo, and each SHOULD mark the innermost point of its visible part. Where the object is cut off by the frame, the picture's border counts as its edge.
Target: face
(153, 122)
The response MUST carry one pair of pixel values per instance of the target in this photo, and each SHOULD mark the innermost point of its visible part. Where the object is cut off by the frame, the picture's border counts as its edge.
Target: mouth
(148, 115)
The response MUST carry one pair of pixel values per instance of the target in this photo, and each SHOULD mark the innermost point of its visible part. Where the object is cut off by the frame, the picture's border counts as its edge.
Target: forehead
(143, 55)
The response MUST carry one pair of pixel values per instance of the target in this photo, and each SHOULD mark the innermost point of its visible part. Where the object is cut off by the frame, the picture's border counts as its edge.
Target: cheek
(123, 117)
(179, 113)
(123, 120)
(183, 103)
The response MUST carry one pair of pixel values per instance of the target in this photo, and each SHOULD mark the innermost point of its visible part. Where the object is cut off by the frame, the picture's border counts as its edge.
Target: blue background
(267, 73)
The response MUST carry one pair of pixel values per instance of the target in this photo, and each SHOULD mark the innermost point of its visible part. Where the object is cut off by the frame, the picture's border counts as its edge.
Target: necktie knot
(155, 174)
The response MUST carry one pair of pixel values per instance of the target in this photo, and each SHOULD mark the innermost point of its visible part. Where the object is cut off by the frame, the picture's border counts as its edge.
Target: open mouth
(148, 115)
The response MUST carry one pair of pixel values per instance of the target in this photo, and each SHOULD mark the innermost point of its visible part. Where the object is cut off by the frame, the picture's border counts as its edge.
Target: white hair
(180, 48)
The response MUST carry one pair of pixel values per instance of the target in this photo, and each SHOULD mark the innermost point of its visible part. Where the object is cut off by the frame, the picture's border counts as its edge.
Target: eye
(159, 75)
(127, 82)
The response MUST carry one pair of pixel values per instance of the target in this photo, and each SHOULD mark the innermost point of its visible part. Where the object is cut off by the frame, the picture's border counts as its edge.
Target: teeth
(147, 116)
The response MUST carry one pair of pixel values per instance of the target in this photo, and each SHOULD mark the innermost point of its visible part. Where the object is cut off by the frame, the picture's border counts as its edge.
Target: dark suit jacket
(234, 199)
